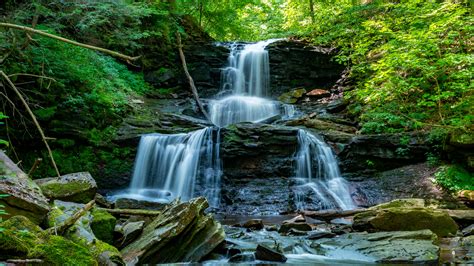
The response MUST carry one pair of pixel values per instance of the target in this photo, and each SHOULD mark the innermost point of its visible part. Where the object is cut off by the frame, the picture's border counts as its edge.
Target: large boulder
(398, 216)
(386, 247)
(75, 187)
(182, 233)
(24, 196)
(22, 239)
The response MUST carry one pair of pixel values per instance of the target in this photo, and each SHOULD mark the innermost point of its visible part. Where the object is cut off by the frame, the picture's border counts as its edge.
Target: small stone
(320, 234)
(254, 224)
(267, 254)
(295, 232)
(246, 257)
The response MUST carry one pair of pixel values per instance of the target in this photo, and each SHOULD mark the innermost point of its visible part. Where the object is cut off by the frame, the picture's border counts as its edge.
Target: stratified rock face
(405, 216)
(383, 151)
(182, 233)
(298, 64)
(76, 187)
(258, 150)
(461, 148)
(387, 247)
(25, 197)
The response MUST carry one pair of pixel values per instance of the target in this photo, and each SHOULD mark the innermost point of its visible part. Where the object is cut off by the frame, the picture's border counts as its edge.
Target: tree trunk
(311, 10)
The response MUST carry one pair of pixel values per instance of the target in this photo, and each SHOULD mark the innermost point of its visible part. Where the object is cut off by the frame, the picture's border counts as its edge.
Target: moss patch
(23, 239)
(103, 224)
(75, 191)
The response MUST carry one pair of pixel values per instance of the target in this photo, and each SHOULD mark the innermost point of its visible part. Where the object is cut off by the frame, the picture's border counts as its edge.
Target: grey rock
(181, 233)
(24, 196)
(267, 254)
(126, 203)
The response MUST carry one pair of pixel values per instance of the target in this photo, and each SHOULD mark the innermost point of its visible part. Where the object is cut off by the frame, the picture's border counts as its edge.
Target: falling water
(248, 77)
(168, 166)
(317, 174)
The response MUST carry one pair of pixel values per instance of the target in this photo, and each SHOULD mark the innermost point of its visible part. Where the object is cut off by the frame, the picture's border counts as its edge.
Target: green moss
(57, 250)
(100, 248)
(73, 191)
(103, 224)
(54, 216)
(454, 178)
(23, 239)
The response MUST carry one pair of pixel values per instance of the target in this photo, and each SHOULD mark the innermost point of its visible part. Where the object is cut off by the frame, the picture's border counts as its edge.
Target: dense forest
(323, 108)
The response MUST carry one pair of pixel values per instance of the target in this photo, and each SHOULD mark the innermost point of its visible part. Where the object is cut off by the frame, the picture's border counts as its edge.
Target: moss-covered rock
(23, 239)
(25, 197)
(406, 219)
(76, 187)
(103, 224)
(82, 233)
(292, 96)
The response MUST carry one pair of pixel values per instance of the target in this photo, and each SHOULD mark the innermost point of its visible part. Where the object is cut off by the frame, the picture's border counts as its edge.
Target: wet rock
(387, 247)
(318, 93)
(468, 231)
(81, 232)
(468, 244)
(129, 231)
(321, 125)
(126, 203)
(245, 257)
(102, 201)
(292, 96)
(254, 224)
(25, 197)
(268, 254)
(77, 187)
(22, 239)
(181, 233)
(314, 235)
(406, 219)
(295, 232)
(286, 226)
(271, 228)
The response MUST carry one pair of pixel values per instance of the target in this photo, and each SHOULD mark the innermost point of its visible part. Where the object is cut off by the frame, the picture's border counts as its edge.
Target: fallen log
(61, 228)
(130, 212)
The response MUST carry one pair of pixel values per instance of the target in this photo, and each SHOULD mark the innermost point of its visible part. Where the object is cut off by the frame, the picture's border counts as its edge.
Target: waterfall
(247, 75)
(317, 174)
(168, 166)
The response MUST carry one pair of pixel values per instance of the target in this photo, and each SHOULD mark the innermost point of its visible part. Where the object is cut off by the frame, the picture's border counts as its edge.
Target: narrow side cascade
(317, 176)
(170, 166)
(247, 76)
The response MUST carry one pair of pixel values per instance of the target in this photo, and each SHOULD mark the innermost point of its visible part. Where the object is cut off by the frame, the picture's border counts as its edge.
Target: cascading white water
(167, 166)
(317, 173)
(248, 77)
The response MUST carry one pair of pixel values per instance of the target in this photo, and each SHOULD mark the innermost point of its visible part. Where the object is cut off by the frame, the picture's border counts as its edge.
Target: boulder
(254, 224)
(297, 224)
(417, 247)
(126, 203)
(314, 235)
(321, 125)
(76, 187)
(128, 232)
(268, 254)
(103, 225)
(405, 219)
(81, 232)
(181, 233)
(24, 196)
(22, 239)
(292, 96)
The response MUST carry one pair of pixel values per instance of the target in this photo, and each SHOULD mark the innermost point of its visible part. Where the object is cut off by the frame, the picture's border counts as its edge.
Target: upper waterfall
(247, 76)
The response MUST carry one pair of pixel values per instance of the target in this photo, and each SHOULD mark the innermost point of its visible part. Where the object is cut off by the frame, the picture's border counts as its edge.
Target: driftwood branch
(61, 228)
(28, 109)
(49, 35)
(129, 212)
(329, 215)
(190, 79)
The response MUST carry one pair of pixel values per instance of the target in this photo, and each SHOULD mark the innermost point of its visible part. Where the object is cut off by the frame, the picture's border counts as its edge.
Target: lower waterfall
(317, 176)
(170, 166)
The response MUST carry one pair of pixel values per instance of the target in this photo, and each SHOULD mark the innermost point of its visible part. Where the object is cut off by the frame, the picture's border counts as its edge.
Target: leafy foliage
(454, 178)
